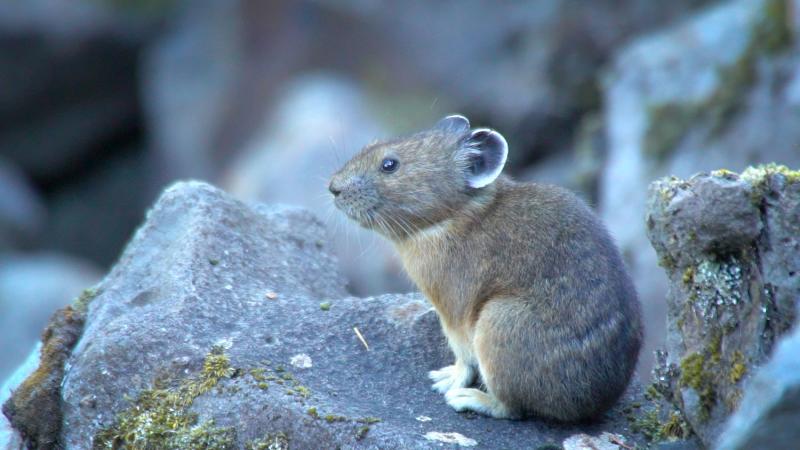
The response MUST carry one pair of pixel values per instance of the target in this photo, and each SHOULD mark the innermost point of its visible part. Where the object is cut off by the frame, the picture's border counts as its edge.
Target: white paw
(451, 377)
(462, 399)
(441, 374)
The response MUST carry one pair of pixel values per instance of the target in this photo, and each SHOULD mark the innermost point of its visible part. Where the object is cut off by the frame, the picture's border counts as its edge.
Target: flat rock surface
(256, 282)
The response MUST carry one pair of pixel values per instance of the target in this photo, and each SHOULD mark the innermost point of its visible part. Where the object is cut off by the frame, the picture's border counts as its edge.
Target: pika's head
(400, 186)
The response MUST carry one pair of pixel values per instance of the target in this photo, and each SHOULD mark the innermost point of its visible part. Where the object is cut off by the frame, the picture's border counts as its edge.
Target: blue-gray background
(104, 102)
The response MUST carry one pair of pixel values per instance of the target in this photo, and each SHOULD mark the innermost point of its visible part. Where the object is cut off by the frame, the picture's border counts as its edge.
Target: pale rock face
(665, 114)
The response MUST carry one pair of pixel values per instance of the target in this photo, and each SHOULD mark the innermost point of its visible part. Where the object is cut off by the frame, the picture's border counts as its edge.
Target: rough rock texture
(770, 409)
(228, 325)
(721, 90)
(730, 245)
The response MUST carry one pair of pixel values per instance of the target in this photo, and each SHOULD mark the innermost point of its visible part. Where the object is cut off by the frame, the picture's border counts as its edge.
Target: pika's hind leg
(495, 355)
(459, 375)
(462, 399)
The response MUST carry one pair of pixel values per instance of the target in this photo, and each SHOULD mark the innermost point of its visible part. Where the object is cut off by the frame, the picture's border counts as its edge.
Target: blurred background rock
(104, 102)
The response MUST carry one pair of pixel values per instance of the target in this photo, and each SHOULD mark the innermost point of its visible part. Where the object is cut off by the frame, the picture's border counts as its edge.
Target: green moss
(715, 346)
(674, 428)
(368, 420)
(325, 306)
(696, 375)
(361, 432)
(312, 411)
(273, 441)
(738, 367)
(649, 424)
(688, 275)
(725, 173)
(263, 385)
(160, 416)
(330, 418)
(213, 261)
(652, 393)
(81, 304)
(303, 391)
(759, 175)
(258, 374)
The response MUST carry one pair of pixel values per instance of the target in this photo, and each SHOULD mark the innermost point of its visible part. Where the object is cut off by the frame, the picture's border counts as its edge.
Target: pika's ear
(456, 122)
(482, 156)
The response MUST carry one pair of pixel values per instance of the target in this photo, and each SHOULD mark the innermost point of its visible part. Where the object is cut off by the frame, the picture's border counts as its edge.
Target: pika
(529, 287)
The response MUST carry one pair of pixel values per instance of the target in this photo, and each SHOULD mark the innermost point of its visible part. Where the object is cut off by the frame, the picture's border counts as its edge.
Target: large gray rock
(228, 326)
(730, 245)
(721, 90)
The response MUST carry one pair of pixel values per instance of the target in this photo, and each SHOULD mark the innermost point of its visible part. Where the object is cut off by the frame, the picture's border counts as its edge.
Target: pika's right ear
(481, 157)
(456, 122)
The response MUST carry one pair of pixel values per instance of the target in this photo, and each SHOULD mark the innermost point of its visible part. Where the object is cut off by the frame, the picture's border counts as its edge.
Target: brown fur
(529, 287)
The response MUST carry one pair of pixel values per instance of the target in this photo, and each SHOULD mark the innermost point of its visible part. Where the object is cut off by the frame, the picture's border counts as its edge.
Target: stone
(181, 347)
(770, 409)
(718, 90)
(730, 245)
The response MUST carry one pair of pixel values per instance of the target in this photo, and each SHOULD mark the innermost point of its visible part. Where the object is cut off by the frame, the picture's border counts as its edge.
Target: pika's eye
(389, 165)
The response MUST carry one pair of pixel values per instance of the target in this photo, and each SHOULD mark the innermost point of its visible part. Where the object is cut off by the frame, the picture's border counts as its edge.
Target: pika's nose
(334, 190)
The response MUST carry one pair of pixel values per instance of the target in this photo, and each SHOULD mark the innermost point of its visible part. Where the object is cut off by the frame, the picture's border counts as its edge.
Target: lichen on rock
(732, 243)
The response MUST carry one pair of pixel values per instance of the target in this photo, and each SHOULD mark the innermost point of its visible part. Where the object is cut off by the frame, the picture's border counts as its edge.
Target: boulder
(730, 245)
(227, 325)
(720, 90)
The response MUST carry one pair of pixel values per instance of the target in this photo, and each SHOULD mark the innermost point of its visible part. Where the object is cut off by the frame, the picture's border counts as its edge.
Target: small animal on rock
(529, 287)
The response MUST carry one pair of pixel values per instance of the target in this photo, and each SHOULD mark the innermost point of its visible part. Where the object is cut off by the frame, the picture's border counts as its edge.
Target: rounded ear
(455, 122)
(482, 156)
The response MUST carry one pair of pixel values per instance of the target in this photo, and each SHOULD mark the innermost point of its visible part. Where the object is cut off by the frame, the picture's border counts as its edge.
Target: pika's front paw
(450, 377)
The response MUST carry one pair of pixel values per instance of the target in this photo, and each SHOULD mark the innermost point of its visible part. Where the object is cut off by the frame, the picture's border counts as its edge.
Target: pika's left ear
(482, 156)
